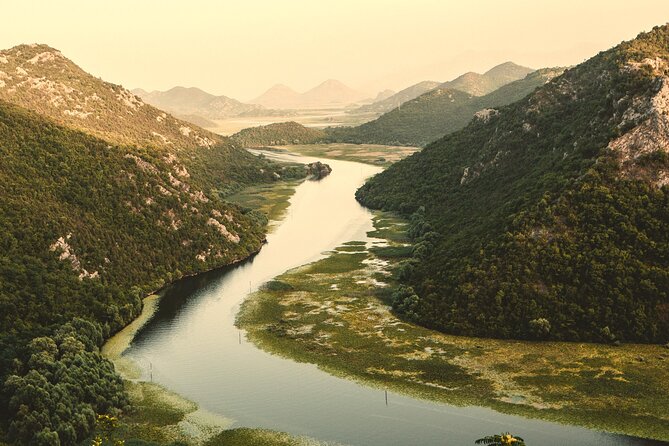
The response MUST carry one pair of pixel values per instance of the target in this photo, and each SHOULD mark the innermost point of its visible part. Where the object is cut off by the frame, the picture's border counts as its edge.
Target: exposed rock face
(648, 137)
(318, 170)
(485, 114)
(67, 254)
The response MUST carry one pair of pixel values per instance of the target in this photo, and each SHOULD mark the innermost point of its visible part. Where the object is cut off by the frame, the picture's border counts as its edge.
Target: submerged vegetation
(271, 200)
(375, 154)
(340, 313)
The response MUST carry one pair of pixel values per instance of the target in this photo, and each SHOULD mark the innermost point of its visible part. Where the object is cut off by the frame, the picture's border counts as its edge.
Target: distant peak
(34, 46)
(508, 67)
(181, 88)
(508, 63)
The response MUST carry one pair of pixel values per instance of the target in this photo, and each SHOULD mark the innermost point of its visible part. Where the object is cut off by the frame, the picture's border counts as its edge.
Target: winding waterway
(193, 348)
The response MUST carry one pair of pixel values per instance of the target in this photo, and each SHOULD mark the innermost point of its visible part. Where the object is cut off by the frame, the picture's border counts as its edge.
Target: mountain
(482, 84)
(330, 93)
(139, 92)
(278, 96)
(399, 98)
(382, 95)
(87, 228)
(40, 78)
(440, 111)
(547, 218)
(193, 101)
(473, 83)
(198, 120)
(103, 199)
(277, 134)
(505, 73)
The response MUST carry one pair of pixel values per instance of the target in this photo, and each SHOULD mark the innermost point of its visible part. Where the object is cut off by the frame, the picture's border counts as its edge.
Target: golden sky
(240, 48)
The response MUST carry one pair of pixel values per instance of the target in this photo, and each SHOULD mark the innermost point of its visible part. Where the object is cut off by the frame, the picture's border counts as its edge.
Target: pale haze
(241, 48)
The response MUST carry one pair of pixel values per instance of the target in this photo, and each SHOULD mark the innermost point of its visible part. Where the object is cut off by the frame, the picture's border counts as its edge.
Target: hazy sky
(240, 48)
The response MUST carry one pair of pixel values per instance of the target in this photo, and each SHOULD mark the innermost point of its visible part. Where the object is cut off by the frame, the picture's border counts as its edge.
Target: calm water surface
(195, 350)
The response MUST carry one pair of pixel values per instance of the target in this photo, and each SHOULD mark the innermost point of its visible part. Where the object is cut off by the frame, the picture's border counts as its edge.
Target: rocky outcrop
(318, 170)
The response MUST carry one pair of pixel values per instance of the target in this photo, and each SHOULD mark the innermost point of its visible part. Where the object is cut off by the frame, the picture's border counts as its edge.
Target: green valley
(349, 254)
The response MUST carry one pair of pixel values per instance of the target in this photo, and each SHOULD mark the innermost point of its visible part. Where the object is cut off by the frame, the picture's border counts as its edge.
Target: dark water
(195, 350)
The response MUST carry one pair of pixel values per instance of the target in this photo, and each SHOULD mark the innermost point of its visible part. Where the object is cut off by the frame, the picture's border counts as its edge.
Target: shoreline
(114, 348)
(547, 381)
(150, 401)
(130, 371)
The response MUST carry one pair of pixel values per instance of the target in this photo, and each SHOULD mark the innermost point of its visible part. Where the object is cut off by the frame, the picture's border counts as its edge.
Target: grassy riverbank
(378, 155)
(270, 199)
(334, 313)
(160, 417)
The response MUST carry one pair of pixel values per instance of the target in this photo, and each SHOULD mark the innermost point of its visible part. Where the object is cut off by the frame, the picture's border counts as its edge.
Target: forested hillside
(436, 113)
(41, 79)
(548, 218)
(88, 228)
(280, 133)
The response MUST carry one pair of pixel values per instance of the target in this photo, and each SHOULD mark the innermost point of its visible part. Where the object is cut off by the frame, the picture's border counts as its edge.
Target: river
(192, 347)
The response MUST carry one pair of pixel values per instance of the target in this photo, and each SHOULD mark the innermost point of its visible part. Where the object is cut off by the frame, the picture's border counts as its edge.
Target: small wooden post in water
(240, 338)
(386, 397)
(151, 371)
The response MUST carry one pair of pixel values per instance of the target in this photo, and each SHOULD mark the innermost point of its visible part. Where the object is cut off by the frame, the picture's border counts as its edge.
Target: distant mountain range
(395, 100)
(473, 83)
(195, 102)
(481, 84)
(331, 93)
(440, 111)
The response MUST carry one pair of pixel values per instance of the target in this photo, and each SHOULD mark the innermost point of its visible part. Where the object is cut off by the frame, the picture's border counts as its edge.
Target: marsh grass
(332, 313)
(270, 199)
(379, 155)
(258, 437)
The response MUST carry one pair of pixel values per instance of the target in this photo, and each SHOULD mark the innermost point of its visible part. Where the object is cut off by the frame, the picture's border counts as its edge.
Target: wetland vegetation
(337, 313)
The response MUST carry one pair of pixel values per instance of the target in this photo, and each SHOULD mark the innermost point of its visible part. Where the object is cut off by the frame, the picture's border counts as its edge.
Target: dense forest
(88, 228)
(436, 113)
(548, 219)
(281, 133)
